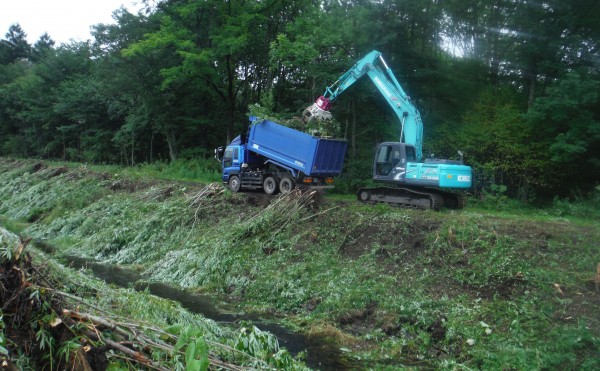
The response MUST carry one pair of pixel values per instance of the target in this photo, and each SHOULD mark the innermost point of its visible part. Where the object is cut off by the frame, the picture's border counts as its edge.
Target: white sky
(63, 20)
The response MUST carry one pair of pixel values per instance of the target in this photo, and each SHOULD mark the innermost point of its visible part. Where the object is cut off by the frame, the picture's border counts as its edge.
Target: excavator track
(452, 200)
(404, 197)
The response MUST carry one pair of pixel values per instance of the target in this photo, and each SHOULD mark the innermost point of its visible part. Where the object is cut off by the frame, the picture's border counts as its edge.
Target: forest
(514, 84)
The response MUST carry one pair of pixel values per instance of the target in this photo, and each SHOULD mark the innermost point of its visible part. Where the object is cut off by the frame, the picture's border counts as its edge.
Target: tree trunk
(347, 121)
(524, 191)
(353, 129)
(532, 86)
(494, 44)
(132, 147)
(172, 146)
(152, 147)
(230, 99)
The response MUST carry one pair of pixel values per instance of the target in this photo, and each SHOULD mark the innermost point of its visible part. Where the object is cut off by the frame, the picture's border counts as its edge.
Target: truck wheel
(286, 185)
(270, 185)
(234, 183)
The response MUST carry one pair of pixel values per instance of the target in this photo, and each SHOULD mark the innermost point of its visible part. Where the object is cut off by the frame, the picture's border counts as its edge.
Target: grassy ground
(493, 286)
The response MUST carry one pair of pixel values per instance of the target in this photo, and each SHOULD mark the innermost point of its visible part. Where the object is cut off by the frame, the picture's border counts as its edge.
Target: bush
(356, 174)
(204, 170)
(580, 207)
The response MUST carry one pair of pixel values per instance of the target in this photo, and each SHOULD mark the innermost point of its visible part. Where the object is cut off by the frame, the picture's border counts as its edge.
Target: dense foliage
(513, 83)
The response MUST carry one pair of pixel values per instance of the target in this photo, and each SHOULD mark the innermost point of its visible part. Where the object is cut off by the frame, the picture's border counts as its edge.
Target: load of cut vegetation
(45, 327)
(319, 128)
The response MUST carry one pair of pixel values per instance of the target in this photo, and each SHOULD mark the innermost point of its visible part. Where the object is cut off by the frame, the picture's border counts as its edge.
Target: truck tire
(286, 184)
(234, 183)
(270, 185)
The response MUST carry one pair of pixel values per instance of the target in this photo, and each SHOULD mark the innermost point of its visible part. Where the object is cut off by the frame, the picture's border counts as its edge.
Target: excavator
(406, 179)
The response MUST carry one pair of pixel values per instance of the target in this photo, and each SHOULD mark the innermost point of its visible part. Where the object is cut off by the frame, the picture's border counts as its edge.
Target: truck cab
(239, 165)
(231, 160)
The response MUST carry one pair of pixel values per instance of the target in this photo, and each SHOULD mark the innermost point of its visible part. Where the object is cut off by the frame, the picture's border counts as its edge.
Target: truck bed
(297, 150)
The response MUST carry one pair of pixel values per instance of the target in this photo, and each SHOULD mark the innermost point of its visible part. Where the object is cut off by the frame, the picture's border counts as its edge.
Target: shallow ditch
(320, 352)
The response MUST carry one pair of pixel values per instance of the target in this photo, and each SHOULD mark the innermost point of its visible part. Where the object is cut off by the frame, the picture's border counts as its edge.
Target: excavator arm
(411, 131)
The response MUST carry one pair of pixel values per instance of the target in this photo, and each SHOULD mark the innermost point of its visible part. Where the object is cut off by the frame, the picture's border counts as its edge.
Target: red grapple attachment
(318, 111)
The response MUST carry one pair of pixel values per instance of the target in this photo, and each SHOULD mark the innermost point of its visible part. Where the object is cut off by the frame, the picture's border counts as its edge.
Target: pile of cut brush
(43, 327)
(36, 321)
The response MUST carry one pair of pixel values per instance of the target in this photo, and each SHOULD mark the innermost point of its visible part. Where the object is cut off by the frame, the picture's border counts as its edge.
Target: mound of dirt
(396, 243)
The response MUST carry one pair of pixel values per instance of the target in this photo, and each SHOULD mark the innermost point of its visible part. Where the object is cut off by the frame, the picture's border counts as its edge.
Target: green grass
(477, 288)
(576, 210)
(196, 170)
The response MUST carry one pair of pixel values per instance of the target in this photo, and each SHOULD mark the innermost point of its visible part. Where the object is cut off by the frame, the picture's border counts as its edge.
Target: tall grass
(199, 170)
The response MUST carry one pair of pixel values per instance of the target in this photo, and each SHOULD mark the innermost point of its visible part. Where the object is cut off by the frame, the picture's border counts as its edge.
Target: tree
(42, 47)
(15, 46)
(567, 120)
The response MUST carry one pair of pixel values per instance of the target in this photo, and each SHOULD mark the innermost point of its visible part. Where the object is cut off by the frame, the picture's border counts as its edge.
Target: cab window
(384, 160)
(410, 154)
(384, 154)
(397, 157)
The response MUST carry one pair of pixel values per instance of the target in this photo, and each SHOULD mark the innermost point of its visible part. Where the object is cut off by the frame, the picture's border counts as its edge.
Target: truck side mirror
(460, 153)
(219, 153)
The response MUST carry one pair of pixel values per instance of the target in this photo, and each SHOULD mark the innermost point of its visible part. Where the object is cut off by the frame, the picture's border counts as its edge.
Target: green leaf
(115, 366)
(196, 356)
(175, 329)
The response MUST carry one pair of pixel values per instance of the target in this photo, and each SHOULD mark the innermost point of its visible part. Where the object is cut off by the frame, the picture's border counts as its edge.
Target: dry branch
(22, 245)
(201, 200)
(157, 194)
(97, 321)
(133, 341)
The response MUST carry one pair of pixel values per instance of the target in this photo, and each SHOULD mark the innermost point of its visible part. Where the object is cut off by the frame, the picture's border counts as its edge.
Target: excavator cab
(391, 159)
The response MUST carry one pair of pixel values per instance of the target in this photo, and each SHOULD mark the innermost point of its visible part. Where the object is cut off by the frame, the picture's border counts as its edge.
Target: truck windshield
(228, 157)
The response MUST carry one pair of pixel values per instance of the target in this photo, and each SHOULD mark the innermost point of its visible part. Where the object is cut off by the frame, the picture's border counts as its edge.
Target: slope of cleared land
(387, 286)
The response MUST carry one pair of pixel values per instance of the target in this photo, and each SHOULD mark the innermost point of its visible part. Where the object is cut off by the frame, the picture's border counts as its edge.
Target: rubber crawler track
(405, 197)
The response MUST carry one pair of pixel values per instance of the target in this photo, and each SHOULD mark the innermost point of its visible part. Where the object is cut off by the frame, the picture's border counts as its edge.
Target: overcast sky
(61, 19)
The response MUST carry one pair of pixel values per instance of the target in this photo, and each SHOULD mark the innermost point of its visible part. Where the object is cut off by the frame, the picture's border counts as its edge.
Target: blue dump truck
(278, 158)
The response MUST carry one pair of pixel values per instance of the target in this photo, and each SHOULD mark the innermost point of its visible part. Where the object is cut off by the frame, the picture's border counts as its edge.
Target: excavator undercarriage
(426, 198)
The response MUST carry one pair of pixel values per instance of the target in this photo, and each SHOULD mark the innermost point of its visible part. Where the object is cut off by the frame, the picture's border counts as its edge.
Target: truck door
(231, 162)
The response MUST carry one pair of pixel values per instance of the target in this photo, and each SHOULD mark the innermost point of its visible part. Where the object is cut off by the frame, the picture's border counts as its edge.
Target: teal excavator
(406, 180)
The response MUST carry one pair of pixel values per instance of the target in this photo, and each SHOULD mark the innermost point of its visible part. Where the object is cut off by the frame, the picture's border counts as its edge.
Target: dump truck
(277, 158)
